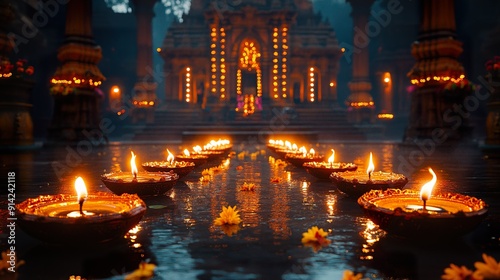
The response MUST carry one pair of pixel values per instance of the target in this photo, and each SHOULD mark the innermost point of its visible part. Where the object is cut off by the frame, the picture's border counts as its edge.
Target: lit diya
(274, 145)
(356, 183)
(181, 168)
(298, 159)
(212, 155)
(223, 145)
(414, 214)
(322, 169)
(145, 183)
(197, 159)
(81, 218)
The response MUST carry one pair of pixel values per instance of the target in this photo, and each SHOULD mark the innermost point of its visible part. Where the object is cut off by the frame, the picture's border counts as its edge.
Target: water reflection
(178, 235)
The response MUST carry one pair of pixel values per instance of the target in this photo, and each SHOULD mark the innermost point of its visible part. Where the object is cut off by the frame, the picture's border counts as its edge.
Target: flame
(280, 142)
(295, 147)
(81, 190)
(197, 149)
(303, 150)
(170, 157)
(331, 159)
(371, 167)
(186, 152)
(288, 145)
(272, 141)
(133, 167)
(426, 190)
(312, 151)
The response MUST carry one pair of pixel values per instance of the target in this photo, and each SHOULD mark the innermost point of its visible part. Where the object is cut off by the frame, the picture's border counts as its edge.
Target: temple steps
(193, 124)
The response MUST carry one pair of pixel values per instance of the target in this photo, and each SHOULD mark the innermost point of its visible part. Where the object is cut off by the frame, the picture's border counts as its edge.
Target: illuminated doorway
(249, 78)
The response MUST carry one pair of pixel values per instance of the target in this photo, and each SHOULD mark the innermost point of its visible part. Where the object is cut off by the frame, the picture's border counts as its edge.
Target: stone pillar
(360, 102)
(76, 101)
(144, 97)
(16, 126)
(438, 75)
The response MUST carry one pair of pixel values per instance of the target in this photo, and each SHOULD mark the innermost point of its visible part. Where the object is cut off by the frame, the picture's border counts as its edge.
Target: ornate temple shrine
(251, 54)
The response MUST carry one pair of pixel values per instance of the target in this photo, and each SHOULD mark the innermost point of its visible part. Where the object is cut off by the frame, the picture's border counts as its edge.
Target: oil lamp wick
(81, 201)
(425, 202)
(370, 176)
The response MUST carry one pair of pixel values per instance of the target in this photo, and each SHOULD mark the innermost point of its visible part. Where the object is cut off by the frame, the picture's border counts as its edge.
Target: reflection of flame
(81, 190)
(426, 190)
(170, 157)
(371, 167)
(312, 151)
(331, 200)
(331, 159)
(133, 167)
(197, 149)
(186, 152)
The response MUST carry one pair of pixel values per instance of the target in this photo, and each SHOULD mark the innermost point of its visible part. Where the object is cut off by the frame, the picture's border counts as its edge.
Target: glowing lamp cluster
(424, 80)
(362, 104)
(213, 58)
(222, 60)
(385, 116)
(187, 81)
(75, 81)
(143, 103)
(312, 84)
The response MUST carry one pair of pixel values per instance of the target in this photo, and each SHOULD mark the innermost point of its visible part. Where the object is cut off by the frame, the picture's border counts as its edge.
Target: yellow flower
(490, 269)
(248, 187)
(349, 275)
(315, 237)
(455, 272)
(228, 216)
(144, 272)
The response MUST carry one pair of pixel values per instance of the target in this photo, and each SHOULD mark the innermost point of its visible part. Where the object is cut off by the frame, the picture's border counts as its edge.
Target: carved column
(76, 102)
(360, 102)
(16, 126)
(144, 97)
(438, 76)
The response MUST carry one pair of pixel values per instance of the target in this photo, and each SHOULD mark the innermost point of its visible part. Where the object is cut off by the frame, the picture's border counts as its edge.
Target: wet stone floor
(178, 233)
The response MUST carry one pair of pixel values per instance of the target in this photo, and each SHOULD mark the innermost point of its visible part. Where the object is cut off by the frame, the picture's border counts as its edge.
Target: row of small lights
(275, 62)
(6, 75)
(249, 105)
(312, 84)
(213, 58)
(238, 82)
(284, 46)
(222, 63)
(362, 104)
(438, 79)
(188, 84)
(76, 81)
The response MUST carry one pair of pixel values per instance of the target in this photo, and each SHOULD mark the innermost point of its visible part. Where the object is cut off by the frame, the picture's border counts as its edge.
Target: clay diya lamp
(144, 183)
(212, 155)
(356, 183)
(289, 148)
(197, 159)
(274, 145)
(298, 159)
(322, 169)
(181, 168)
(80, 219)
(414, 214)
(222, 145)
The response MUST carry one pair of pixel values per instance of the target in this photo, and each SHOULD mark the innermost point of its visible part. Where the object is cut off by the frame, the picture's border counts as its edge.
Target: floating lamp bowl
(283, 152)
(212, 155)
(56, 218)
(194, 158)
(322, 169)
(356, 183)
(181, 168)
(147, 183)
(400, 212)
(298, 159)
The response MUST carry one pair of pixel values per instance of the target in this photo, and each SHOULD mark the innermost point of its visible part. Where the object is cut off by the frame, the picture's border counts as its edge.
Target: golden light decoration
(76, 81)
(312, 84)
(222, 66)
(238, 82)
(362, 104)
(275, 63)
(143, 103)
(213, 58)
(284, 52)
(385, 116)
(187, 80)
(423, 80)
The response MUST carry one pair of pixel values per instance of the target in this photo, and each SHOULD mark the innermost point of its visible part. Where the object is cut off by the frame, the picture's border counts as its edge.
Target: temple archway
(249, 77)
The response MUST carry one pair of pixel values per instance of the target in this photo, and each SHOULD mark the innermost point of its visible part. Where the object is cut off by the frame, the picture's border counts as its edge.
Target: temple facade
(251, 54)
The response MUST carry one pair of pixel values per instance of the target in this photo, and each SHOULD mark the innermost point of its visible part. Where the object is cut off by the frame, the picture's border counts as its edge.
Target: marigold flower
(228, 216)
(144, 272)
(229, 230)
(248, 187)
(315, 237)
(455, 272)
(349, 275)
(490, 269)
